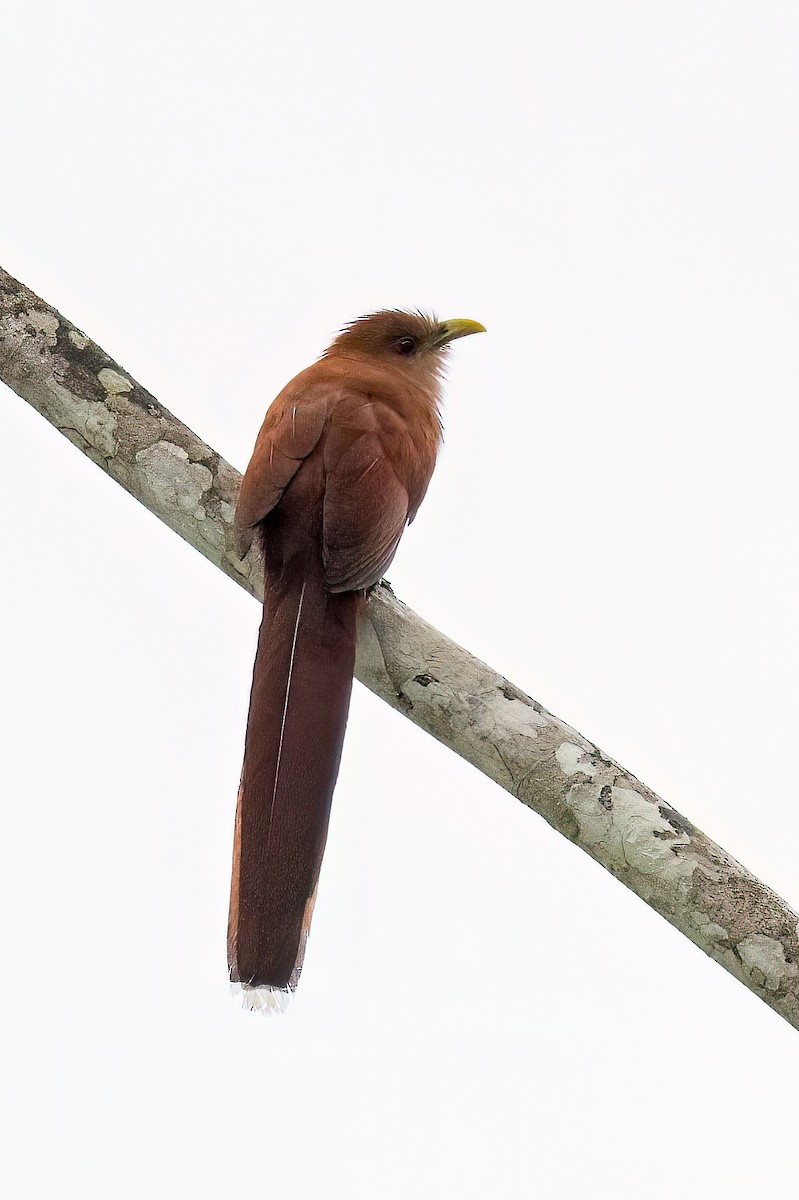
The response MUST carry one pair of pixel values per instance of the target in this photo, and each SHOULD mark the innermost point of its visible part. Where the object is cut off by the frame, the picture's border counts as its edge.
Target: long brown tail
(298, 712)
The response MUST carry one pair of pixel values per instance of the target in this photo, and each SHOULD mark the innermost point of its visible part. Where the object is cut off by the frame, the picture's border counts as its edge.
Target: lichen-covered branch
(119, 425)
(554, 770)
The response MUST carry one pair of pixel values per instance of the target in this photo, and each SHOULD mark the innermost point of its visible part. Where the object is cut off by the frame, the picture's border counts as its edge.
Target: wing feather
(363, 444)
(291, 431)
(365, 512)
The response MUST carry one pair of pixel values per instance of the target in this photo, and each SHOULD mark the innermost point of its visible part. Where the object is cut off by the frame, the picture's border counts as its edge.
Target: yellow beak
(458, 328)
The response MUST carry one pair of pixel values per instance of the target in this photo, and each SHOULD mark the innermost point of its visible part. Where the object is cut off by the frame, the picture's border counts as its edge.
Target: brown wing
(364, 446)
(365, 505)
(291, 430)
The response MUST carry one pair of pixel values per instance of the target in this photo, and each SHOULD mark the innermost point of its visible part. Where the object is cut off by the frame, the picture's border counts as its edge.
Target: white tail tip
(267, 1000)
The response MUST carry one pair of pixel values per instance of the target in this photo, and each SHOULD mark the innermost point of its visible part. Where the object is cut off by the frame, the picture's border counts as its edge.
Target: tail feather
(298, 712)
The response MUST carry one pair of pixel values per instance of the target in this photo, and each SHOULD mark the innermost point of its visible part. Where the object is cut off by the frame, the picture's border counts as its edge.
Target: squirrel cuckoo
(341, 465)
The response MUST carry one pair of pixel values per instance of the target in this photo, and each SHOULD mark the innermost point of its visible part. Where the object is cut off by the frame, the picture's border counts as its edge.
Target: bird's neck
(408, 386)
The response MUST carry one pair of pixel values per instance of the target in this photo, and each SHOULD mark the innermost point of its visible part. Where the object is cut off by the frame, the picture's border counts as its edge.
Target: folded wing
(365, 502)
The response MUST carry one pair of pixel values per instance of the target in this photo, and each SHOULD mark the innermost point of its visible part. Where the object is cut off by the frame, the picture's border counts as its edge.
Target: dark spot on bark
(84, 365)
(598, 757)
(606, 798)
(424, 680)
(511, 692)
(663, 834)
(678, 823)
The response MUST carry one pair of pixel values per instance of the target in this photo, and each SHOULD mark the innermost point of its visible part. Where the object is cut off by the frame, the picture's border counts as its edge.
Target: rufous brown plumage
(340, 467)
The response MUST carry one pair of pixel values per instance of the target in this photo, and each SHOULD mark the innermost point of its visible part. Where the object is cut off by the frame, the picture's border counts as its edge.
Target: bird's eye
(404, 345)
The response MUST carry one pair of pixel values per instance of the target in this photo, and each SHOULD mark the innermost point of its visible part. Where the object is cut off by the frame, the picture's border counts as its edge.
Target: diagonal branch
(554, 770)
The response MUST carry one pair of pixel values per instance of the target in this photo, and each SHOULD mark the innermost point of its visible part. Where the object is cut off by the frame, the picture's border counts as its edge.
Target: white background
(210, 192)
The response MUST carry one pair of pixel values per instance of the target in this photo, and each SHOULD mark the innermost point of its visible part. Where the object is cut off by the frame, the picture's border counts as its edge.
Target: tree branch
(586, 796)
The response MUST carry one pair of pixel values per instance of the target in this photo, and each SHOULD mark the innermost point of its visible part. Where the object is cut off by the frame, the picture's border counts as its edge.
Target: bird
(340, 467)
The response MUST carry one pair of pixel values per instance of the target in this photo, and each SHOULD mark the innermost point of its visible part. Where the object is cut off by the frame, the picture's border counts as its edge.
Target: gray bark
(586, 796)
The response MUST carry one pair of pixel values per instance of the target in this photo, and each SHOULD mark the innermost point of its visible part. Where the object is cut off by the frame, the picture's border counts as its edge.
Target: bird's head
(413, 342)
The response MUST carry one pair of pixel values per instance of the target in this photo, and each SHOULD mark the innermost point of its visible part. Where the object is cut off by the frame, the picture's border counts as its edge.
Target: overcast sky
(210, 192)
